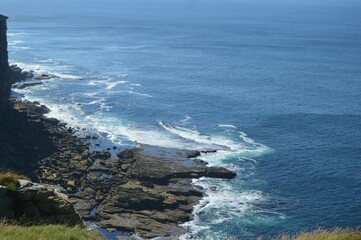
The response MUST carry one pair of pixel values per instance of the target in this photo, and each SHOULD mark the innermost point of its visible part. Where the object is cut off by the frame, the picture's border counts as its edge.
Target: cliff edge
(5, 83)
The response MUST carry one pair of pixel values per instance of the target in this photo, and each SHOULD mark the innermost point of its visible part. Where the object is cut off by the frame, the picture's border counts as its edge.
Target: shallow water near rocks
(273, 86)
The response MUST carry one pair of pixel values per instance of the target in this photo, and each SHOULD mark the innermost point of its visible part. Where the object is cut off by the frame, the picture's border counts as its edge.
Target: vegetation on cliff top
(46, 232)
(10, 180)
(335, 234)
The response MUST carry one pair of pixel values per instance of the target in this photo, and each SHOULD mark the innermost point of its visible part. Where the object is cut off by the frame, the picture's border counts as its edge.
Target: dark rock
(219, 172)
(131, 198)
(52, 121)
(6, 203)
(193, 154)
(119, 223)
(104, 154)
(5, 81)
(25, 85)
(126, 154)
(147, 184)
(43, 77)
(208, 151)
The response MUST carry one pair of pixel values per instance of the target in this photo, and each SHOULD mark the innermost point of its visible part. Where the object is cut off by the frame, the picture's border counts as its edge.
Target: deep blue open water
(275, 86)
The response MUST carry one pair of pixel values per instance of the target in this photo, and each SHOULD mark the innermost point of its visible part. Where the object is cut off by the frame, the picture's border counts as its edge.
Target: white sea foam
(222, 202)
(49, 60)
(16, 47)
(224, 144)
(15, 42)
(73, 115)
(227, 126)
(145, 135)
(185, 119)
(66, 76)
(17, 34)
(111, 85)
(139, 94)
(97, 101)
(95, 82)
(193, 135)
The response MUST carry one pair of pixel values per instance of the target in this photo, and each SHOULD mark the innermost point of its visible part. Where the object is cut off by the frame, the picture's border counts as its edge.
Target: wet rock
(84, 207)
(219, 172)
(193, 154)
(45, 77)
(25, 85)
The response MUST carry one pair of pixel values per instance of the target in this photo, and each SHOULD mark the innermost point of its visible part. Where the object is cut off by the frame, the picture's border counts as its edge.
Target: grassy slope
(47, 232)
(336, 234)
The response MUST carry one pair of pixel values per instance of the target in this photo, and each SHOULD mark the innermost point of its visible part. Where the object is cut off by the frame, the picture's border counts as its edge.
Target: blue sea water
(275, 86)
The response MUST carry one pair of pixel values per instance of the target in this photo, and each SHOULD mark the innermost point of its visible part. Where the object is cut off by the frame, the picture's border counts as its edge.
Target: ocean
(274, 86)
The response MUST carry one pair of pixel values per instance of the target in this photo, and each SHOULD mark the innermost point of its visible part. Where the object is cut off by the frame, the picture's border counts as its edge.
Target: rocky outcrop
(38, 204)
(156, 196)
(136, 192)
(4, 64)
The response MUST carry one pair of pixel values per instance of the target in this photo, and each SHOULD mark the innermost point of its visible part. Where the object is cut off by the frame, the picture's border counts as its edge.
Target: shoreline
(147, 191)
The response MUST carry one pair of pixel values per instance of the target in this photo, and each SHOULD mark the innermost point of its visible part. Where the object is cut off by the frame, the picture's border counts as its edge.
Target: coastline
(272, 87)
(147, 190)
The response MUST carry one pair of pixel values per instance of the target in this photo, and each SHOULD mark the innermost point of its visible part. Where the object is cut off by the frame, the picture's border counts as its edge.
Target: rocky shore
(146, 190)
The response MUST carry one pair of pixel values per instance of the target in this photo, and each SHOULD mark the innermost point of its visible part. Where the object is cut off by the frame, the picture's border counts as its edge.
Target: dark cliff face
(5, 84)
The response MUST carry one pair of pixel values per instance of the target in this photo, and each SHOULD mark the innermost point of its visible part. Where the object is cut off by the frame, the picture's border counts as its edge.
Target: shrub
(9, 180)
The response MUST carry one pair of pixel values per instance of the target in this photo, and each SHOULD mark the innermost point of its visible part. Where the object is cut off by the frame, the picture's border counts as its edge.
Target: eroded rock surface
(138, 193)
(36, 203)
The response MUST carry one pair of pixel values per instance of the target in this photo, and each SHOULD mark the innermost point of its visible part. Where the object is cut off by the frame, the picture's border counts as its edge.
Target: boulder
(193, 154)
(45, 77)
(219, 172)
(44, 203)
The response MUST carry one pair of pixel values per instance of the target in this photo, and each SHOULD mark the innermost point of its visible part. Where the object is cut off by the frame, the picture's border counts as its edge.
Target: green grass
(10, 180)
(47, 232)
(335, 234)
